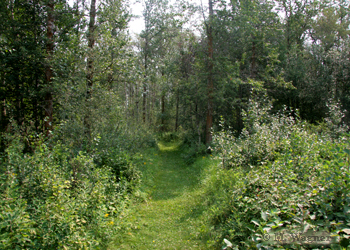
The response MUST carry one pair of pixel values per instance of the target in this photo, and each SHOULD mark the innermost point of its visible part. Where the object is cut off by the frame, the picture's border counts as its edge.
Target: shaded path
(171, 217)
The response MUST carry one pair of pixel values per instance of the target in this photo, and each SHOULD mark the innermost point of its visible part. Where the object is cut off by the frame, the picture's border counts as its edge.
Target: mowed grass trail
(170, 218)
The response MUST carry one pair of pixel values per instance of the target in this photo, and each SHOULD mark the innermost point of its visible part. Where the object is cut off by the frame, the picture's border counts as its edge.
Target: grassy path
(170, 219)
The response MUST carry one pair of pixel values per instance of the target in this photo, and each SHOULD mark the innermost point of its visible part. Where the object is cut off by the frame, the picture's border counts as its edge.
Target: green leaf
(255, 222)
(346, 230)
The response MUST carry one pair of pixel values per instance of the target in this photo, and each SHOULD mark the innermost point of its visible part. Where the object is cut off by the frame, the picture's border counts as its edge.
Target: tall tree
(91, 36)
(209, 29)
(48, 71)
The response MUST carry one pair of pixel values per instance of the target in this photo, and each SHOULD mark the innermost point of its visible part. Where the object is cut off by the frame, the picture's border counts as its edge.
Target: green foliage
(192, 151)
(169, 137)
(121, 164)
(53, 199)
(280, 174)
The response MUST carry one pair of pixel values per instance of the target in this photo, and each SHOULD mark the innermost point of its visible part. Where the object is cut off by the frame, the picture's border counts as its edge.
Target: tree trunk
(209, 121)
(90, 65)
(48, 71)
(145, 85)
(177, 109)
(253, 61)
(144, 103)
(163, 113)
(239, 109)
(3, 116)
(137, 103)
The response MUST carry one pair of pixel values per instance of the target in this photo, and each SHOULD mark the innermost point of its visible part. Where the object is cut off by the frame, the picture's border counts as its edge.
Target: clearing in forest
(171, 217)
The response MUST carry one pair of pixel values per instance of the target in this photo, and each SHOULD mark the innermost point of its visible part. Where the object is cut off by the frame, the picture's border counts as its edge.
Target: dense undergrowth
(280, 175)
(60, 197)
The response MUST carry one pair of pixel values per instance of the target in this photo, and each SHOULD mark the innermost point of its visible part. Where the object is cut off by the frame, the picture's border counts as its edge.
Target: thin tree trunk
(239, 109)
(137, 103)
(152, 101)
(91, 43)
(131, 91)
(177, 109)
(48, 72)
(90, 65)
(36, 112)
(145, 86)
(163, 113)
(144, 103)
(209, 121)
(3, 116)
(198, 118)
(253, 61)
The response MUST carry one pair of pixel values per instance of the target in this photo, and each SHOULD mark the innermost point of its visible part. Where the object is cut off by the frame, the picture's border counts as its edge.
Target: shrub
(280, 174)
(55, 200)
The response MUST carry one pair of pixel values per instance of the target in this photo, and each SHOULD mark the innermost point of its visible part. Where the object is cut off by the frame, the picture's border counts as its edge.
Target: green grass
(170, 218)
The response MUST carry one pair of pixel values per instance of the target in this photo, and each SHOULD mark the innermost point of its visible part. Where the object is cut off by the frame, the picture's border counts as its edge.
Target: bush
(55, 200)
(280, 174)
(122, 165)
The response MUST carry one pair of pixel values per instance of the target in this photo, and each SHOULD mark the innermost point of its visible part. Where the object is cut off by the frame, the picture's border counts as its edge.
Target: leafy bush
(192, 151)
(53, 199)
(280, 174)
(121, 164)
(169, 137)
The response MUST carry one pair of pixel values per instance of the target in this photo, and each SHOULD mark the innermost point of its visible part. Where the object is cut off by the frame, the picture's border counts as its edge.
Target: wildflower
(112, 222)
(106, 215)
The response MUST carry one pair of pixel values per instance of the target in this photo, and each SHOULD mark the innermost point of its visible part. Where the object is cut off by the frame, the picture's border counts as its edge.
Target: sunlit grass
(169, 146)
(170, 218)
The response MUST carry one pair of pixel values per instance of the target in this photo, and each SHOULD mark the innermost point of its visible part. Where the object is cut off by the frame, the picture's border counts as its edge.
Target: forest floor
(170, 218)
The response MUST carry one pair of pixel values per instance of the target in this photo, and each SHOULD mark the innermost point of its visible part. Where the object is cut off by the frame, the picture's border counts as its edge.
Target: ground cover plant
(279, 174)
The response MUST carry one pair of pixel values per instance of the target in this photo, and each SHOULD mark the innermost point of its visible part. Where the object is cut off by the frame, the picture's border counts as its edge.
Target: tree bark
(136, 103)
(48, 71)
(90, 65)
(210, 87)
(163, 113)
(177, 109)
(144, 95)
(253, 61)
(91, 43)
(239, 109)
(144, 103)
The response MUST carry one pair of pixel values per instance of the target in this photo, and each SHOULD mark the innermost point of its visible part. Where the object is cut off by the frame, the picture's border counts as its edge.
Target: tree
(48, 71)
(91, 36)
(209, 29)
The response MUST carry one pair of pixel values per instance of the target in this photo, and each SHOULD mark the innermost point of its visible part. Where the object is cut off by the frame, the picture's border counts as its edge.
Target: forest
(229, 115)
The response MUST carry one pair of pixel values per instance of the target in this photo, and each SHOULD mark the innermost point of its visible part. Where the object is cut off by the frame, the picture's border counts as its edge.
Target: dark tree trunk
(239, 109)
(91, 44)
(48, 70)
(209, 121)
(253, 61)
(3, 116)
